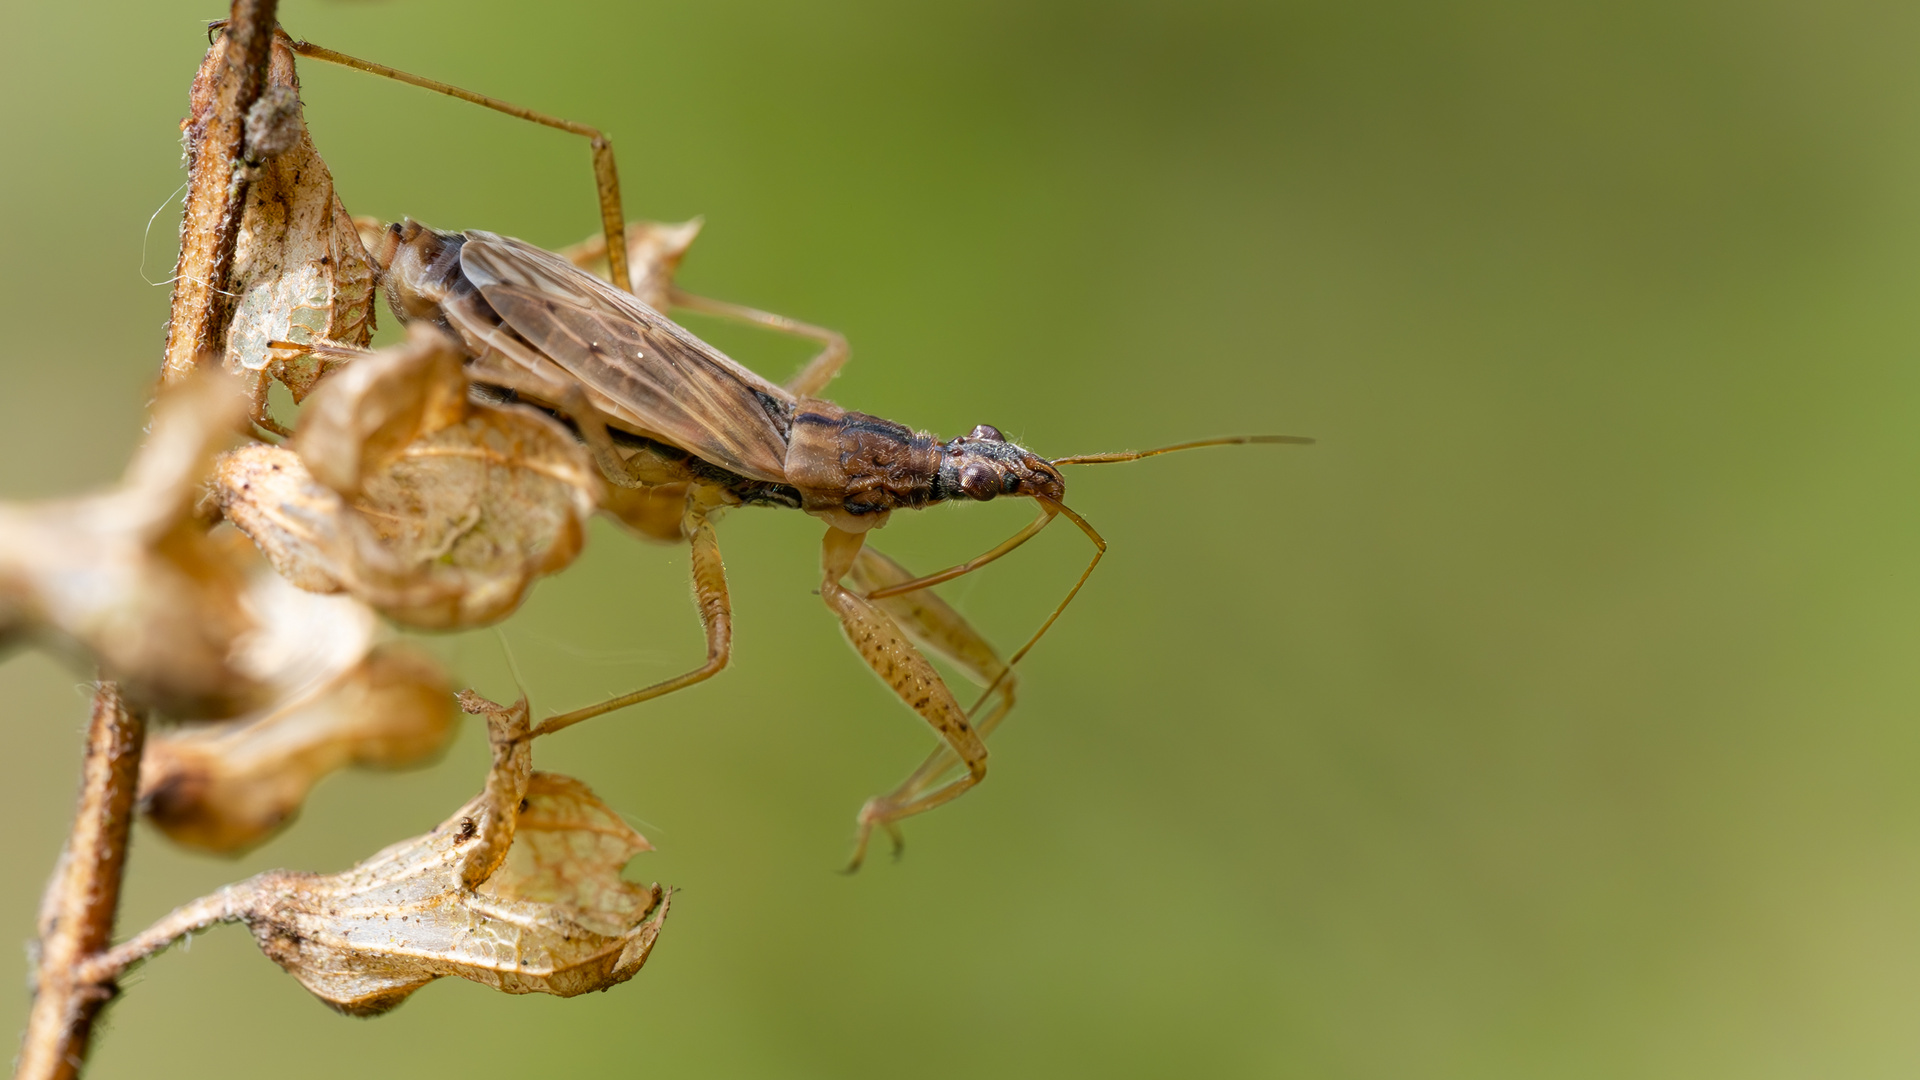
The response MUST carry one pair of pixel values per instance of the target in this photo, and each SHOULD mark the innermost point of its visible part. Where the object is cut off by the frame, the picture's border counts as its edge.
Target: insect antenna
(1049, 509)
(1136, 455)
(1052, 508)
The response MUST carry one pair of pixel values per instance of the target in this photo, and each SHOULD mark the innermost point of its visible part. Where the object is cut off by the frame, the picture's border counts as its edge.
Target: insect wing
(683, 390)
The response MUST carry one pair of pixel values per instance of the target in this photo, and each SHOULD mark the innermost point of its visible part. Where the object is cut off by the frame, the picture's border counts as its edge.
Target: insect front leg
(937, 628)
(716, 617)
(887, 650)
(297, 366)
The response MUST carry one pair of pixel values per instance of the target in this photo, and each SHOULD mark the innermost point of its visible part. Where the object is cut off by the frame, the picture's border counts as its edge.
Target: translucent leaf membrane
(226, 787)
(438, 512)
(520, 889)
(300, 272)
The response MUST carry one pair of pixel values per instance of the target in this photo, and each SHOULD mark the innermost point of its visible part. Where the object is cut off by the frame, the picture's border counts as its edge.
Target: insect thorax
(854, 469)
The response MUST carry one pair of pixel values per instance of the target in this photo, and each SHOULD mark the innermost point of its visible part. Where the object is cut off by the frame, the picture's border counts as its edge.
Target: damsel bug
(667, 413)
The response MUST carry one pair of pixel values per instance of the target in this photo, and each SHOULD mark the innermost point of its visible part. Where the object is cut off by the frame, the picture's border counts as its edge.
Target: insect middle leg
(809, 380)
(716, 618)
(654, 251)
(887, 650)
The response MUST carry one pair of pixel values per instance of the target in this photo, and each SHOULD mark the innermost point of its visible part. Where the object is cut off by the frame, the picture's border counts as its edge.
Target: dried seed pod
(376, 408)
(307, 531)
(519, 890)
(226, 787)
(455, 508)
(299, 270)
(130, 579)
(300, 642)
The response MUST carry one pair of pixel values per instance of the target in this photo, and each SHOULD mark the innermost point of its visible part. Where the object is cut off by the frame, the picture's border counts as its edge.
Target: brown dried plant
(129, 578)
(437, 511)
(301, 281)
(225, 787)
(520, 890)
(397, 494)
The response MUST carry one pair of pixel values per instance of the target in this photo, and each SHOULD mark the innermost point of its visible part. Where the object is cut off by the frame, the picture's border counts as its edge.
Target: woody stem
(232, 74)
(77, 913)
(82, 898)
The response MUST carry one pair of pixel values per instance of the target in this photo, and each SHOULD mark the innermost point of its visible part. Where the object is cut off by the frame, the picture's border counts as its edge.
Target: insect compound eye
(979, 481)
(987, 431)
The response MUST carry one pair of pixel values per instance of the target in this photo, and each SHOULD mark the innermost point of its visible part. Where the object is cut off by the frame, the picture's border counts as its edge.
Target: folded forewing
(682, 390)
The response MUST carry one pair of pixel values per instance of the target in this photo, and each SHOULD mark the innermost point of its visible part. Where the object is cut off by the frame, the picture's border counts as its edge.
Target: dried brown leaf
(519, 890)
(377, 407)
(300, 272)
(456, 508)
(226, 787)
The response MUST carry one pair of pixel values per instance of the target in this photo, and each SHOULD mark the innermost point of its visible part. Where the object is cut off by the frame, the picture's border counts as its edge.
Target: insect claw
(874, 813)
(859, 856)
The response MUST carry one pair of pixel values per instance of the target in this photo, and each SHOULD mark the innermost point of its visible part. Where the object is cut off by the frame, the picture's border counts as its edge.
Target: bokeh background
(1554, 716)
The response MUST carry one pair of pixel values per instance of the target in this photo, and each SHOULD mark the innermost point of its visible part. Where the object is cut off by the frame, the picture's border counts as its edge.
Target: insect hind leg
(606, 177)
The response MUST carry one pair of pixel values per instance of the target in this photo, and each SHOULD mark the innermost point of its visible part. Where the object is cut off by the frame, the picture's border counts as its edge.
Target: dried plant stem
(234, 72)
(227, 905)
(76, 918)
(77, 913)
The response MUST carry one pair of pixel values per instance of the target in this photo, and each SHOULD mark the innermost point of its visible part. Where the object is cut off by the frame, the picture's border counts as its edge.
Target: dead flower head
(519, 890)
(438, 512)
(225, 787)
(130, 579)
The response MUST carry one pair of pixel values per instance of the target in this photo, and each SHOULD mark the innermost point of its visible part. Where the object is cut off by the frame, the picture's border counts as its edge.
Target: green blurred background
(1555, 716)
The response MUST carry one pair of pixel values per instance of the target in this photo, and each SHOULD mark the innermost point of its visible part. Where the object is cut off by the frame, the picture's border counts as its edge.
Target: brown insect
(670, 415)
